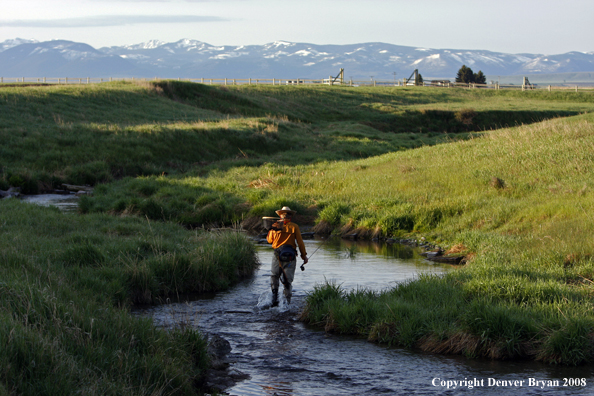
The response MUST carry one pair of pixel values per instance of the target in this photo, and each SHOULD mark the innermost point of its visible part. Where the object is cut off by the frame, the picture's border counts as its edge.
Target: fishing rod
(321, 244)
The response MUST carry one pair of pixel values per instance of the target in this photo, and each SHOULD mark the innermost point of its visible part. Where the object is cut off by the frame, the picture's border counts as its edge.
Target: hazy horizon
(515, 27)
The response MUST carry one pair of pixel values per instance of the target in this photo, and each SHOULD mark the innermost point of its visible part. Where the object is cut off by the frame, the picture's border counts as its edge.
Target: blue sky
(511, 26)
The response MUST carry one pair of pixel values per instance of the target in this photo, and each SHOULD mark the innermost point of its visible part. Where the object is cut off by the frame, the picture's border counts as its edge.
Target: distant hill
(281, 59)
(60, 58)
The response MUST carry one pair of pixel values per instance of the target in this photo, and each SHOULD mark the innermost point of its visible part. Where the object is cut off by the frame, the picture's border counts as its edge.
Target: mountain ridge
(189, 58)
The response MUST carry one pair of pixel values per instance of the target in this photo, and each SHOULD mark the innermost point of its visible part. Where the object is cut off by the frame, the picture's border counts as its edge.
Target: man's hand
(305, 260)
(276, 226)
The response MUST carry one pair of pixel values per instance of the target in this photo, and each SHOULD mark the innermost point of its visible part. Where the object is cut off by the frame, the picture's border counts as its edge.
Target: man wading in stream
(285, 236)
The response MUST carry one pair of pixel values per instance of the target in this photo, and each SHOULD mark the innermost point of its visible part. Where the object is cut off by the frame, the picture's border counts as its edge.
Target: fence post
(576, 88)
(250, 83)
(374, 83)
(549, 88)
(225, 80)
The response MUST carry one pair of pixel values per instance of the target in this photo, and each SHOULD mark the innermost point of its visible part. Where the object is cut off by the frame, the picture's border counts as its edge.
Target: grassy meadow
(502, 176)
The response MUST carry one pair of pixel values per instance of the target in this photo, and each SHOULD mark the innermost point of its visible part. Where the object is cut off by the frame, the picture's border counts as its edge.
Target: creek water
(282, 356)
(64, 202)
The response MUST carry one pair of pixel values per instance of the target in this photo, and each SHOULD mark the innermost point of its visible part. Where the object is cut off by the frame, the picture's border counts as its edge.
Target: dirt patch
(457, 249)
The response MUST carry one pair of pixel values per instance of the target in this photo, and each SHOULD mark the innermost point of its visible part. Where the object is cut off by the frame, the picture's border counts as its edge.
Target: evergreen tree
(465, 75)
(480, 78)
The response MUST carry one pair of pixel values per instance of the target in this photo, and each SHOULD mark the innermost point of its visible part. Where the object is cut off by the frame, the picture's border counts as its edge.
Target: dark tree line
(466, 75)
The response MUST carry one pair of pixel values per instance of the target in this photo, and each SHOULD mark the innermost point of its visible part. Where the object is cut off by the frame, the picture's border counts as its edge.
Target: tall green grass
(66, 284)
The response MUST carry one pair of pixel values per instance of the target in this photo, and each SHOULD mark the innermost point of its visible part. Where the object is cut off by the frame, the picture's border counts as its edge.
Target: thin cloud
(156, 1)
(109, 20)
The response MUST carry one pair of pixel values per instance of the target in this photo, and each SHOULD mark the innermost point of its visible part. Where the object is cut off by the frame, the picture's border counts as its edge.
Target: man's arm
(273, 232)
(301, 245)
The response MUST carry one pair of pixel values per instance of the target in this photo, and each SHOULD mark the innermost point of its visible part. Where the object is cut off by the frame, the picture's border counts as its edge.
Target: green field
(502, 176)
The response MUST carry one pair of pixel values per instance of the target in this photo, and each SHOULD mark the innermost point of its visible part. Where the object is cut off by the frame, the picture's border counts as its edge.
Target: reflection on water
(64, 202)
(284, 357)
(358, 264)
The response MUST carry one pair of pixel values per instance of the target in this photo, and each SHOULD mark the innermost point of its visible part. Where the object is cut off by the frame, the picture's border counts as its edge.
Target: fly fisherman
(284, 237)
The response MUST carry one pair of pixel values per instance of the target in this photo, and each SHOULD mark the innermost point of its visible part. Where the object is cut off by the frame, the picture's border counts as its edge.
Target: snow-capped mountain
(280, 59)
(14, 42)
(59, 58)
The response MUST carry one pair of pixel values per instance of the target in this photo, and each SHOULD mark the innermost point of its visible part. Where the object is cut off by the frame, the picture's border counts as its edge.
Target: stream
(65, 202)
(282, 356)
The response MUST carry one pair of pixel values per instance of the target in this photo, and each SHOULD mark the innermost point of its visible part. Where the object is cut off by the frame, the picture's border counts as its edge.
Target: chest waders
(285, 261)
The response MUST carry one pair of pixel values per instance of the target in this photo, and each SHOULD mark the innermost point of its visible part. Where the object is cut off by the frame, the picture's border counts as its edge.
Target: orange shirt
(287, 236)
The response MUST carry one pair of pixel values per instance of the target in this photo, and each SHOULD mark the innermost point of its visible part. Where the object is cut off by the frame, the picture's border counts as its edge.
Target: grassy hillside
(98, 133)
(497, 175)
(520, 201)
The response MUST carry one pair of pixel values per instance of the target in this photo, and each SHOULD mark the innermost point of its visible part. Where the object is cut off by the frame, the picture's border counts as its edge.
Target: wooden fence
(298, 81)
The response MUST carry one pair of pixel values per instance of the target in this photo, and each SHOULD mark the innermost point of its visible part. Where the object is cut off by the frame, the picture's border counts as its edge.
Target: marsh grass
(67, 281)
